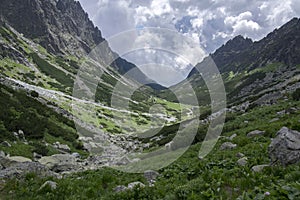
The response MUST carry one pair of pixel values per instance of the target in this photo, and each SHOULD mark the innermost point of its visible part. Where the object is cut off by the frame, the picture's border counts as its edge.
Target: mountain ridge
(64, 28)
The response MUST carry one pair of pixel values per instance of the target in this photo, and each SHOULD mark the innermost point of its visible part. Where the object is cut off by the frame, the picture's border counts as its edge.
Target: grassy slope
(217, 176)
(19, 112)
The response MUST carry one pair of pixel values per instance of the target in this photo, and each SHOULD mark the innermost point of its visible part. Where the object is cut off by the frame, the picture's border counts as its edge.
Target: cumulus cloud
(209, 22)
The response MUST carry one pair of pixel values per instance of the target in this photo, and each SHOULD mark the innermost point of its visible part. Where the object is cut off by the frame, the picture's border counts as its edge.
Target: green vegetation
(217, 176)
(19, 112)
(65, 80)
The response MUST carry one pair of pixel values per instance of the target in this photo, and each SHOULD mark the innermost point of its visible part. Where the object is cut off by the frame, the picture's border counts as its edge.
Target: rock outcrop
(285, 147)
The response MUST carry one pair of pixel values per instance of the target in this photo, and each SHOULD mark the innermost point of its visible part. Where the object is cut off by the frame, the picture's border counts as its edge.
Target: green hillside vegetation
(217, 176)
(40, 124)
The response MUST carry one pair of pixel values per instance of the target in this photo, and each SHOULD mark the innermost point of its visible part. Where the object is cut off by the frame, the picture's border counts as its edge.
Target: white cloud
(212, 22)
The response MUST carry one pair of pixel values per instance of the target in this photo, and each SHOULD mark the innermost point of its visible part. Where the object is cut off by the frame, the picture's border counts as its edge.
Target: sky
(208, 23)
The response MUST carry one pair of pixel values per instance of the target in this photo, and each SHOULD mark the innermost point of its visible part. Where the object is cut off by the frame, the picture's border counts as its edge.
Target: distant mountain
(249, 67)
(63, 28)
(238, 54)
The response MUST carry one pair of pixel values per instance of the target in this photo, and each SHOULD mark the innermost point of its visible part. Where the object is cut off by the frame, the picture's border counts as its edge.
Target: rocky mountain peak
(238, 43)
(61, 26)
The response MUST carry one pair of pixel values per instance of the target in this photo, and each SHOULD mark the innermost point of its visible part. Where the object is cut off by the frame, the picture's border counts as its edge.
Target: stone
(255, 133)
(123, 161)
(274, 120)
(120, 188)
(6, 144)
(151, 175)
(18, 170)
(259, 168)
(19, 159)
(232, 137)
(60, 162)
(76, 155)
(2, 154)
(51, 184)
(62, 147)
(36, 156)
(285, 147)
(135, 184)
(240, 155)
(242, 161)
(228, 145)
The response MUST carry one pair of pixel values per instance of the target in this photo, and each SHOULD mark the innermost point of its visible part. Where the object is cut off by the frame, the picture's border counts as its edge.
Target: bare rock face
(285, 147)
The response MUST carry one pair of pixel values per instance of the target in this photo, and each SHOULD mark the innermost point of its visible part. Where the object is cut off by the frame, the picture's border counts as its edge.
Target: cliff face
(60, 26)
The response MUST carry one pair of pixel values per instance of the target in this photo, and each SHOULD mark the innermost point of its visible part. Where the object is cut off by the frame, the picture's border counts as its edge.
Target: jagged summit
(239, 53)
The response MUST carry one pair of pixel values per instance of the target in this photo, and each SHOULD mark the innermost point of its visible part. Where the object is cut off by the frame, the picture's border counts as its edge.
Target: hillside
(253, 71)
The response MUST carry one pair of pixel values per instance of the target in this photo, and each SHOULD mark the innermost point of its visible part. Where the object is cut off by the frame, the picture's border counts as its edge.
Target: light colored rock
(228, 145)
(255, 133)
(135, 184)
(259, 168)
(2, 154)
(51, 184)
(19, 159)
(285, 147)
(6, 144)
(242, 161)
(60, 162)
(232, 137)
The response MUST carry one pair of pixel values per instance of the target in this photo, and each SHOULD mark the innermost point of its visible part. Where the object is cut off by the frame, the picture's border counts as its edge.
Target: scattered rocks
(242, 161)
(259, 168)
(18, 170)
(285, 147)
(228, 145)
(62, 147)
(255, 133)
(51, 184)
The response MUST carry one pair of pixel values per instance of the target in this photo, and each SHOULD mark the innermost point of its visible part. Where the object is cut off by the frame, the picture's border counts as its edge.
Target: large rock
(10, 161)
(285, 147)
(19, 170)
(242, 161)
(60, 162)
